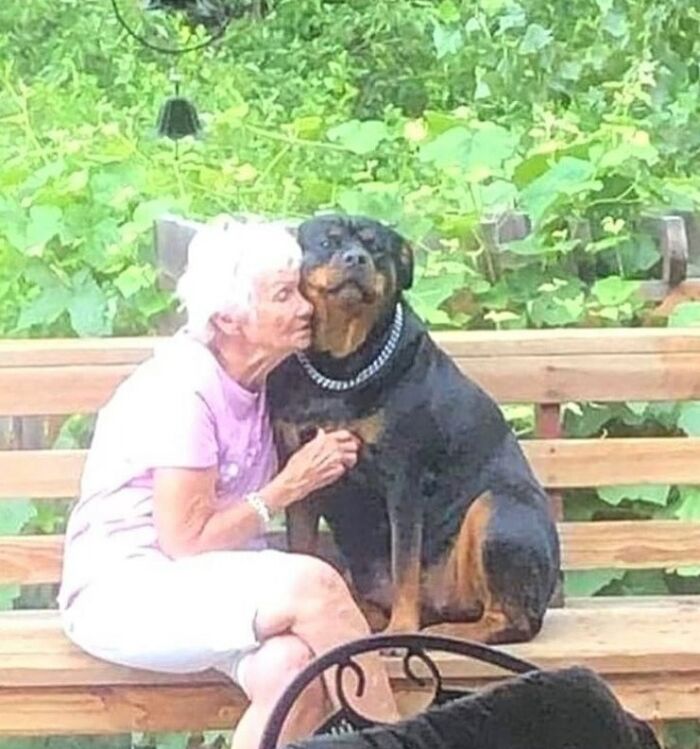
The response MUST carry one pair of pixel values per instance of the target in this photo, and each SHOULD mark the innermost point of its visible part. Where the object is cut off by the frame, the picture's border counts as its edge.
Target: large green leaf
(689, 418)
(613, 290)
(375, 199)
(14, 514)
(88, 307)
(46, 307)
(450, 148)
(614, 495)
(565, 178)
(689, 506)
(685, 315)
(134, 278)
(45, 222)
(584, 583)
(359, 137)
(433, 290)
(536, 38)
(8, 594)
(446, 40)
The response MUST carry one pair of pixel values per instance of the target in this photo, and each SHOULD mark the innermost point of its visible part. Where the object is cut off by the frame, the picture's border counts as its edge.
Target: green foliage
(428, 116)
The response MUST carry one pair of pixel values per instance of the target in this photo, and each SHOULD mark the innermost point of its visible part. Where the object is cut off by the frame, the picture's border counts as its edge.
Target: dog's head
(353, 272)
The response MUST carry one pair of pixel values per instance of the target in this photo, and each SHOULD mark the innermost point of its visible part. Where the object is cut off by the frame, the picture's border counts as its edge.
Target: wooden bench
(648, 649)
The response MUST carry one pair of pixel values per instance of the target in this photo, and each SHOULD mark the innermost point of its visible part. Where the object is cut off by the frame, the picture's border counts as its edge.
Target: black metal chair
(415, 649)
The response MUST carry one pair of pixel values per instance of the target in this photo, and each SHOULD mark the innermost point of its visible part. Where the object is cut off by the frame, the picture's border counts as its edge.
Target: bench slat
(563, 463)
(626, 641)
(579, 463)
(48, 391)
(581, 377)
(45, 474)
(630, 544)
(589, 367)
(60, 352)
(110, 710)
(27, 391)
(464, 344)
(648, 544)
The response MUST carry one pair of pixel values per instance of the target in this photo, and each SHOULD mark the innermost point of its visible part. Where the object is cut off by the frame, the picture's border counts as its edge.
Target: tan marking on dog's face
(341, 324)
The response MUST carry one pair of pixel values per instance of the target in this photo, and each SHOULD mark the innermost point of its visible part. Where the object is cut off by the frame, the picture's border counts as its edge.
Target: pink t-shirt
(179, 409)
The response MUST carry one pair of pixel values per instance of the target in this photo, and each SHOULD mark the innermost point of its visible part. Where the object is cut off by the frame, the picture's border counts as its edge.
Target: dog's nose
(355, 257)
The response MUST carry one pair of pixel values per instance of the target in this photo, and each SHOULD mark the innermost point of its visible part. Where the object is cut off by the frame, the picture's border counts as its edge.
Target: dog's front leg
(406, 542)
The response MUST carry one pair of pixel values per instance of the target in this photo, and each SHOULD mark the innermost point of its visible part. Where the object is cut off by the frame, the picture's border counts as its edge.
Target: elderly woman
(165, 567)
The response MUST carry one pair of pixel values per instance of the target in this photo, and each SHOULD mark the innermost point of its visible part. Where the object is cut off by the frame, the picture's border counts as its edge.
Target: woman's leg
(309, 599)
(200, 612)
(264, 675)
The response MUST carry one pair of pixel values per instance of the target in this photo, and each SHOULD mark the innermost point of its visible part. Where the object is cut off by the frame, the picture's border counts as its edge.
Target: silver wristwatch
(255, 500)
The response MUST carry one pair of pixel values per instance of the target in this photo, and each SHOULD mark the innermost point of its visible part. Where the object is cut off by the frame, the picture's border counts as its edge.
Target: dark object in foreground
(567, 709)
(442, 520)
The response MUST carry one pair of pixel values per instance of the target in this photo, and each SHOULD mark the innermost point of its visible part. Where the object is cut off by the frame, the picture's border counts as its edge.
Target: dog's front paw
(400, 626)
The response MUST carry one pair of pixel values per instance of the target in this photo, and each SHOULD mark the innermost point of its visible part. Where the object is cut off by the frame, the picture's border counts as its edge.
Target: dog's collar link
(365, 374)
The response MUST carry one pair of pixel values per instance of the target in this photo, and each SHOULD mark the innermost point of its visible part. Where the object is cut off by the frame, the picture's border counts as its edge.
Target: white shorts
(177, 616)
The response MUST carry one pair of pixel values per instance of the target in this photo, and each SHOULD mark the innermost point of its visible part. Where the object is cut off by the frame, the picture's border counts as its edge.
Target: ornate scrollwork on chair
(415, 648)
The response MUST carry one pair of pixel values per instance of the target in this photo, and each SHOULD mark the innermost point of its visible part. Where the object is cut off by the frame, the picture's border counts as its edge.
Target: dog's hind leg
(502, 563)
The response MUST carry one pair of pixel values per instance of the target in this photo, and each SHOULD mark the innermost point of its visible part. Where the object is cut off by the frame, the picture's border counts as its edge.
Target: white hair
(224, 259)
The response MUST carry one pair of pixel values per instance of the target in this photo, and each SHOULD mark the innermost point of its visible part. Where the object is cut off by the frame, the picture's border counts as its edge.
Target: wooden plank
(30, 560)
(649, 650)
(584, 377)
(463, 344)
(27, 391)
(108, 710)
(60, 352)
(634, 544)
(630, 544)
(571, 463)
(46, 474)
(558, 463)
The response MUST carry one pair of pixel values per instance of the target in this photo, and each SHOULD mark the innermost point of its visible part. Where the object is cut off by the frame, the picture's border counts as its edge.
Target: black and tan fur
(442, 521)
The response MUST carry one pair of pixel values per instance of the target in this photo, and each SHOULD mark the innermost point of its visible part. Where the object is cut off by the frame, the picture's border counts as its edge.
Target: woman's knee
(306, 591)
(311, 580)
(273, 666)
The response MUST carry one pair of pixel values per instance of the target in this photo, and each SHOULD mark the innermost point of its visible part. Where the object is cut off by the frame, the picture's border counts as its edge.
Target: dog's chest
(298, 408)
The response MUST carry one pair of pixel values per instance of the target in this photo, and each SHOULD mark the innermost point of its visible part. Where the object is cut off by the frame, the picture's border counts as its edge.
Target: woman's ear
(226, 323)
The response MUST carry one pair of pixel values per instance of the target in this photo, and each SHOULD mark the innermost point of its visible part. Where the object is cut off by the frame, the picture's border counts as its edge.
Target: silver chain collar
(364, 374)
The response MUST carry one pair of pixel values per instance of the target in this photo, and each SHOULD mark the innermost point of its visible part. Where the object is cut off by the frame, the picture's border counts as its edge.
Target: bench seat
(648, 649)
(45, 678)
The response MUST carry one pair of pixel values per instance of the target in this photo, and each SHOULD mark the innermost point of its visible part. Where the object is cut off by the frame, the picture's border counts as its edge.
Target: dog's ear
(404, 265)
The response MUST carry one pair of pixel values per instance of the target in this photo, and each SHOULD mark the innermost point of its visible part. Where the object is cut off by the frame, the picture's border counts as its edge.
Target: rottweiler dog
(441, 523)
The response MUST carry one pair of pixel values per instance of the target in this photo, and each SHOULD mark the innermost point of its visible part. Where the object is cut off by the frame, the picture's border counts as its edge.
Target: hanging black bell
(178, 118)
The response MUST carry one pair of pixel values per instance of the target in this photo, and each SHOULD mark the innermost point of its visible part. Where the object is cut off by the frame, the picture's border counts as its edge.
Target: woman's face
(281, 317)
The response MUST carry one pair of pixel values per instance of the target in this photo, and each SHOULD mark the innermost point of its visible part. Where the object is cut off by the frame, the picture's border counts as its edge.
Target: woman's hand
(187, 521)
(316, 464)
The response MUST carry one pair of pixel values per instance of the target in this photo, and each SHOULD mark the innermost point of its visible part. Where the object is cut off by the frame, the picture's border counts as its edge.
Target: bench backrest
(545, 368)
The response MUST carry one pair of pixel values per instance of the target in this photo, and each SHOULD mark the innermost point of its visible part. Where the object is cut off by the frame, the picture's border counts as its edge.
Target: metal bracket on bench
(415, 647)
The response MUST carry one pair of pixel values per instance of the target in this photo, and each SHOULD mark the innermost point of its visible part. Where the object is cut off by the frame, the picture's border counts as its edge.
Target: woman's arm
(188, 522)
